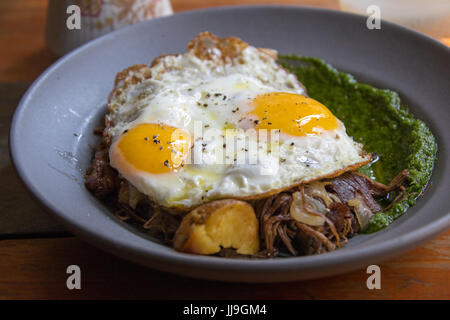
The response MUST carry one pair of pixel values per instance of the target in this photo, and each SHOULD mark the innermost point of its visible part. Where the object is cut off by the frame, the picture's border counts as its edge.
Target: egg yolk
(292, 114)
(155, 148)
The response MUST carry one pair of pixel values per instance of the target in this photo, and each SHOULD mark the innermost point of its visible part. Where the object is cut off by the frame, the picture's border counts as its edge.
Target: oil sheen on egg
(160, 131)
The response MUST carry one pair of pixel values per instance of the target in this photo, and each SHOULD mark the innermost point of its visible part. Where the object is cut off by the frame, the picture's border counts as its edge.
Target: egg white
(185, 91)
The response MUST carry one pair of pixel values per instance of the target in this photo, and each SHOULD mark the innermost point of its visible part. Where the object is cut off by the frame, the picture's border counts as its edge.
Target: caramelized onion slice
(307, 210)
(362, 211)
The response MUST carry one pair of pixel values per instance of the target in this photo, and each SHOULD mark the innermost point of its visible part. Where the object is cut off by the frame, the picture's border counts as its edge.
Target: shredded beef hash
(346, 204)
(328, 212)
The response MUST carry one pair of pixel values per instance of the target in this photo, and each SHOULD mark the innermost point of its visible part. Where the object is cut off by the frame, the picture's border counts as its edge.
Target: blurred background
(428, 16)
(24, 52)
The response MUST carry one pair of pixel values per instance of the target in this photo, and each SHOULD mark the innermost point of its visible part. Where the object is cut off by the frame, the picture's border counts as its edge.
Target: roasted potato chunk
(219, 224)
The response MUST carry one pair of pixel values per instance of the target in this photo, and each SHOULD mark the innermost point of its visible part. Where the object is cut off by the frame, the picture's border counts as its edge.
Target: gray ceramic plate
(52, 142)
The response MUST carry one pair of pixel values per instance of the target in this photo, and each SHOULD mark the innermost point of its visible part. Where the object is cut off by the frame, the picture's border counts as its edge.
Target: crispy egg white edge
(194, 62)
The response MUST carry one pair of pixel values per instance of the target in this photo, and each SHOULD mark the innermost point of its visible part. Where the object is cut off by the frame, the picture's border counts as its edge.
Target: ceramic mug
(70, 23)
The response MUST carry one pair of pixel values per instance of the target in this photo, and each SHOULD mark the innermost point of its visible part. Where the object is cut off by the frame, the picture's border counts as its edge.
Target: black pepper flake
(217, 94)
(269, 123)
(166, 163)
(146, 139)
(224, 97)
(224, 145)
(160, 148)
(156, 141)
(256, 121)
(205, 105)
(206, 125)
(292, 143)
(208, 95)
(125, 131)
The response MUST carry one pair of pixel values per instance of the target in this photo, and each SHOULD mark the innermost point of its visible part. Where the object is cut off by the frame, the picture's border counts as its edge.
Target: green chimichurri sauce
(377, 119)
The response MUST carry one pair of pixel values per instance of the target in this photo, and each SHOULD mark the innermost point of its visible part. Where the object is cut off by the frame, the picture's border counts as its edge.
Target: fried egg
(216, 124)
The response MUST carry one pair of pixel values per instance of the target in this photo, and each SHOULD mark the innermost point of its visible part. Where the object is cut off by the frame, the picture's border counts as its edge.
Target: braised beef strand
(101, 178)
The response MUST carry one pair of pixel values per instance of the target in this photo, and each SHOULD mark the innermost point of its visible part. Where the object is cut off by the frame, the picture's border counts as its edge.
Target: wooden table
(33, 264)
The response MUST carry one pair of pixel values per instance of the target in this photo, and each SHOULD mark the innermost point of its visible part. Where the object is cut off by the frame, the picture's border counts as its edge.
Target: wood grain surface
(35, 268)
